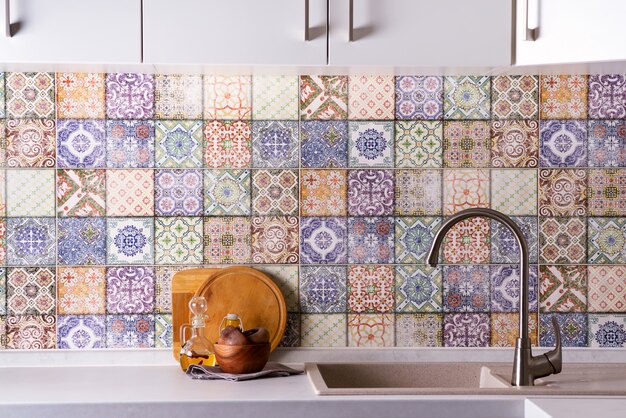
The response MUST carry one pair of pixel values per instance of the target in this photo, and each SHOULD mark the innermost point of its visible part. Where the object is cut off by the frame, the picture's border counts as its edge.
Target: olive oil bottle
(196, 349)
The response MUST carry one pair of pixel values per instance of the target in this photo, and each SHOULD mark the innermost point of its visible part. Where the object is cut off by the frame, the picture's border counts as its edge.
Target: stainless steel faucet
(526, 368)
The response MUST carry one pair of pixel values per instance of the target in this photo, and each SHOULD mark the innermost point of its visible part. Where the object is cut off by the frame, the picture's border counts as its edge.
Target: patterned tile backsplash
(332, 185)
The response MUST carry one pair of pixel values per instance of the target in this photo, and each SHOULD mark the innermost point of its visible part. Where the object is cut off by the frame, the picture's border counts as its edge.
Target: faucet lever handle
(555, 356)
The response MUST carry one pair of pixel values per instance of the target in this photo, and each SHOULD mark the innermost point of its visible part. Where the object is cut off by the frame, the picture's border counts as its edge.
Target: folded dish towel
(215, 373)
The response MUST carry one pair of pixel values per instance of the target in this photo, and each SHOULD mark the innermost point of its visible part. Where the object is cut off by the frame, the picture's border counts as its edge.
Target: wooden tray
(242, 290)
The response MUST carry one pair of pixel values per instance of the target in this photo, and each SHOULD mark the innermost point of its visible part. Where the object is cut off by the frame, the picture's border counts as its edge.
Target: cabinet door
(571, 31)
(72, 31)
(234, 32)
(423, 33)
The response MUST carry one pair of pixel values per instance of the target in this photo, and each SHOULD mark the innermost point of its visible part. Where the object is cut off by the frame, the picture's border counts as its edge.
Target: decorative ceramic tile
(505, 329)
(606, 240)
(130, 241)
(130, 192)
(323, 289)
(563, 143)
(515, 143)
(371, 289)
(81, 143)
(563, 288)
(466, 330)
(504, 248)
(371, 330)
(466, 144)
(130, 96)
(3, 335)
(275, 144)
(573, 326)
(228, 144)
(30, 193)
(286, 278)
(323, 192)
(418, 289)
(563, 96)
(419, 97)
(275, 239)
(468, 242)
(178, 192)
(467, 97)
(291, 337)
(607, 288)
(607, 330)
(163, 287)
(178, 96)
(418, 192)
(419, 330)
(504, 293)
(371, 144)
(606, 96)
(515, 97)
(130, 290)
(2, 111)
(324, 330)
(130, 143)
(419, 144)
(81, 332)
(30, 95)
(370, 240)
(163, 331)
(178, 144)
(81, 192)
(178, 240)
(324, 144)
(80, 95)
(562, 192)
(370, 192)
(81, 290)
(464, 189)
(466, 289)
(607, 143)
(226, 192)
(31, 291)
(227, 240)
(371, 97)
(130, 331)
(3, 244)
(31, 332)
(31, 241)
(3, 143)
(413, 238)
(227, 97)
(323, 240)
(323, 97)
(81, 241)
(514, 192)
(3, 297)
(275, 97)
(30, 143)
(3, 194)
(275, 192)
(606, 192)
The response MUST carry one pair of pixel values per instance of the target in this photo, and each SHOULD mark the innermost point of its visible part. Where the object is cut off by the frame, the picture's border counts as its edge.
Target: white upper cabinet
(71, 31)
(423, 33)
(570, 31)
(256, 32)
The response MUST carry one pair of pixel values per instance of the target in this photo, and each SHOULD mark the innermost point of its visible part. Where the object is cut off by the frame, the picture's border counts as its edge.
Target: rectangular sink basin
(460, 379)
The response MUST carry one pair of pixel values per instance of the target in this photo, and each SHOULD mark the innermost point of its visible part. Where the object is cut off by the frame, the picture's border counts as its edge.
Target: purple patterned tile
(466, 330)
(81, 143)
(323, 289)
(130, 96)
(370, 240)
(563, 143)
(130, 331)
(466, 289)
(606, 96)
(274, 144)
(607, 143)
(130, 144)
(370, 192)
(419, 97)
(323, 240)
(505, 288)
(81, 332)
(178, 192)
(130, 290)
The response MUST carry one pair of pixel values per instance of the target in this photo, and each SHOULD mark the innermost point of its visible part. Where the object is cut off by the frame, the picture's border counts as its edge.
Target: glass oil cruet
(196, 349)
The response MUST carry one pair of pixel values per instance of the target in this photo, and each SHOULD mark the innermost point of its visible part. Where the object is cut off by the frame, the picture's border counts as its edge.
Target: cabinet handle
(7, 17)
(306, 21)
(351, 22)
(529, 34)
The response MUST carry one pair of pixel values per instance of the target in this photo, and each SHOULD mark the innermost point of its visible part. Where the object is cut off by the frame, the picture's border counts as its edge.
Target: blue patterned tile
(275, 144)
(324, 144)
(573, 326)
(370, 240)
(163, 330)
(504, 247)
(130, 241)
(418, 289)
(466, 330)
(81, 241)
(466, 288)
(178, 144)
(323, 289)
(291, 337)
(563, 143)
(31, 241)
(371, 192)
(505, 288)
(130, 331)
(323, 240)
(81, 143)
(371, 144)
(419, 97)
(413, 238)
(607, 143)
(227, 192)
(607, 330)
(130, 143)
(178, 192)
(81, 332)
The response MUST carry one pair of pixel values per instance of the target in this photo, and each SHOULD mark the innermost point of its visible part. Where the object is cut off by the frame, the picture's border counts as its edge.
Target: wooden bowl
(240, 359)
